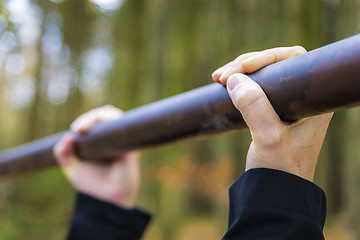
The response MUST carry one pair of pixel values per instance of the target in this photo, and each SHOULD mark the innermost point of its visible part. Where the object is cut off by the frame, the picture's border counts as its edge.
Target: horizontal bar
(323, 80)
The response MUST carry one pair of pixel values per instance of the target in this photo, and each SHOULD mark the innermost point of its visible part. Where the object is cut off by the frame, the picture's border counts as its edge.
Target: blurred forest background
(61, 58)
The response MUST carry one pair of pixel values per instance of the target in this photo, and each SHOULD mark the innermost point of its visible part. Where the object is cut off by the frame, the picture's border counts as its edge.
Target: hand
(116, 182)
(292, 148)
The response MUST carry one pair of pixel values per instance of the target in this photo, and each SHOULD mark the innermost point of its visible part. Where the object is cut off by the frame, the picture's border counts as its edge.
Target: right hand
(292, 148)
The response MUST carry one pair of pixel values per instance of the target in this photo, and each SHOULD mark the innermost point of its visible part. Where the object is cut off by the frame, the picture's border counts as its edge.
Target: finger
(218, 72)
(248, 97)
(270, 56)
(64, 155)
(88, 120)
(64, 150)
(235, 67)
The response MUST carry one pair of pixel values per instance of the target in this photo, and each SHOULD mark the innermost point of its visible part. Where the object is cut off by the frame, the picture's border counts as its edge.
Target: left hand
(116, 182)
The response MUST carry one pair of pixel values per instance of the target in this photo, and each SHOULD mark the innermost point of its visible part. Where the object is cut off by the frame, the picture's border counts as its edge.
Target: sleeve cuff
(94, 218)
(278, 189)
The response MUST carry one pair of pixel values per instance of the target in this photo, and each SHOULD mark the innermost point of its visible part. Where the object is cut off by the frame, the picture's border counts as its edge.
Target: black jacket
(264, 204)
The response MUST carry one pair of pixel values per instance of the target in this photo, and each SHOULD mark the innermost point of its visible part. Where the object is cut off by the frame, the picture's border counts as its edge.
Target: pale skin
(278, 145)
(116, 182)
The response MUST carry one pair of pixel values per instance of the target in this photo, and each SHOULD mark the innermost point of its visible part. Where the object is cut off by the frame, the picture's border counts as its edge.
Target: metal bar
(323, 80)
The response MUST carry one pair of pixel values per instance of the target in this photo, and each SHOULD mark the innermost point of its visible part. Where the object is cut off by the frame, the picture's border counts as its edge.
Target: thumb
(258, 113)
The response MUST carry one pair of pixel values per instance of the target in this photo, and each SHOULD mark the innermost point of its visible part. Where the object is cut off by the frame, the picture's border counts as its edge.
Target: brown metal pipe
(323, 80)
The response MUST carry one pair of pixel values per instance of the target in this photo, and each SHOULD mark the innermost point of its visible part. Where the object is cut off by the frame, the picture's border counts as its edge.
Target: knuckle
(251, 64)
(245, 56)
(80, 118)
(100, 110)
(275, 138)
(88, 124)
(240, 58)
(247, 96)
(112, 108)
(109, 106)
(246, 65)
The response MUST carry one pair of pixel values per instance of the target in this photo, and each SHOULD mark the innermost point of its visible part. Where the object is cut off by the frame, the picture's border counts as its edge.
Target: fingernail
(234, 81)
(226, 74)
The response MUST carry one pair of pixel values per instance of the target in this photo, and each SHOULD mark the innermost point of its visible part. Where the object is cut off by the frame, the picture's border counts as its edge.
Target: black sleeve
(271, 204)
(97, 219)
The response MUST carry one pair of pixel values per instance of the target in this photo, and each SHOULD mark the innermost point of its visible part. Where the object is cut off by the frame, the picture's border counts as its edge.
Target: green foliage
(78, 56)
